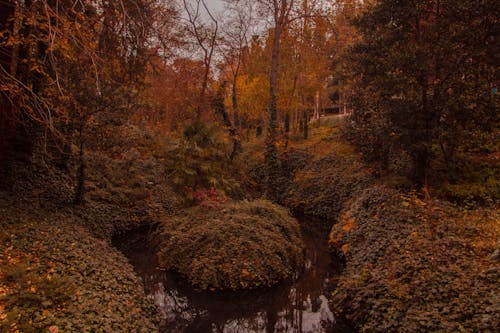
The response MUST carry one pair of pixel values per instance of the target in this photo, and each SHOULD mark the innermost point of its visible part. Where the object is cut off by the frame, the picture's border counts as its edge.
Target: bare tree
(205, 37)
(235, 43)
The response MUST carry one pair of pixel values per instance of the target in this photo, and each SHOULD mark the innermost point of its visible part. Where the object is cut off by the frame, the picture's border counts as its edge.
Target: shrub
(206, 197)
(201, 160)
(415, 265)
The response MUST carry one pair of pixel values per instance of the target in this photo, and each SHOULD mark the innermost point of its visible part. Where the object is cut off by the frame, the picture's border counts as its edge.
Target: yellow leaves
(281, 144)
(414, 235)
(36, 68)
(11, 41)
(245, 273)
(349, 224)
(417, 238)
(412, 199)
(53, 329)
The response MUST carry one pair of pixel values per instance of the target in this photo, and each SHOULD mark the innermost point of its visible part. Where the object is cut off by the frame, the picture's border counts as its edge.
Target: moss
(240, 245)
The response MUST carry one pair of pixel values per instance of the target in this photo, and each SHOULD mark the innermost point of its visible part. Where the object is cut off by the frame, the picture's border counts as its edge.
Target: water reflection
(298, 306)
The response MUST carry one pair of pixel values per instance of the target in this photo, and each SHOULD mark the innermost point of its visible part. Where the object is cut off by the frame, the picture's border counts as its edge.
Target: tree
(235, 46)
(65, 63)
(40, 43)
(173, 91)
(422, 76)
(205, 38)
(280, 11)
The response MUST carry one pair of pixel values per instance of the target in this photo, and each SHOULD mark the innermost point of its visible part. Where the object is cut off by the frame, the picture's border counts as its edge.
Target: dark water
(298, 306)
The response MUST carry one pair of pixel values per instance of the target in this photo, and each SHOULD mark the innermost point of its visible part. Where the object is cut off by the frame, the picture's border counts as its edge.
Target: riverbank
(57, 277)
(299, 304)
(416, 265)
(58, 269)
(413, 263)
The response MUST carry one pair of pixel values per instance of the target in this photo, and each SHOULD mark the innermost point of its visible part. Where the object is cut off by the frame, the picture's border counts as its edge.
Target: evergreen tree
(423, 75)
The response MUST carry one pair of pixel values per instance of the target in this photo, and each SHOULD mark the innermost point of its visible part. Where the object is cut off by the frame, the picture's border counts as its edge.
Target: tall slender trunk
(234, 100)
(306, 126)
(292, 97)
(273, 77)
(203, 92)
(16, 27)
(316, 106)
(80, 185)
(421, 133)
(220, 107)
(271, 154)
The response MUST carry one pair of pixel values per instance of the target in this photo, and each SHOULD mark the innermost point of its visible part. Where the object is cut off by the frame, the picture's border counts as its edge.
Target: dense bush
(322, 187)
(235, 246)
(422, 78)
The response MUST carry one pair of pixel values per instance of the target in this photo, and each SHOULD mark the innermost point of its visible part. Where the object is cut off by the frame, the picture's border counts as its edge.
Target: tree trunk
(233, 133)
(80, 186)
(306, 126)
(234, 100)
(316, 106)
(273, 80)
(271, 154)
(203, 90)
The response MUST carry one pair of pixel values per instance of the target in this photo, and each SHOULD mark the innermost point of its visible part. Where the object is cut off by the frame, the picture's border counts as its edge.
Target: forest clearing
(249, 166)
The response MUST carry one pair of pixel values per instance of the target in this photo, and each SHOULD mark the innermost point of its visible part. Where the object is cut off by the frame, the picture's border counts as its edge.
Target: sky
(215, 5)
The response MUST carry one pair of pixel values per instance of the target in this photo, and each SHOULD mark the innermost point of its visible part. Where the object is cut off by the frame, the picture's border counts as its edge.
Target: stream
(298, 306)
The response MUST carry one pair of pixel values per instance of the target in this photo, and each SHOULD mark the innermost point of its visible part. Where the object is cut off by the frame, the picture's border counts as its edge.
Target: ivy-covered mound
(322, 187)
(239, 245)
(56, 277)
(416, 265)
